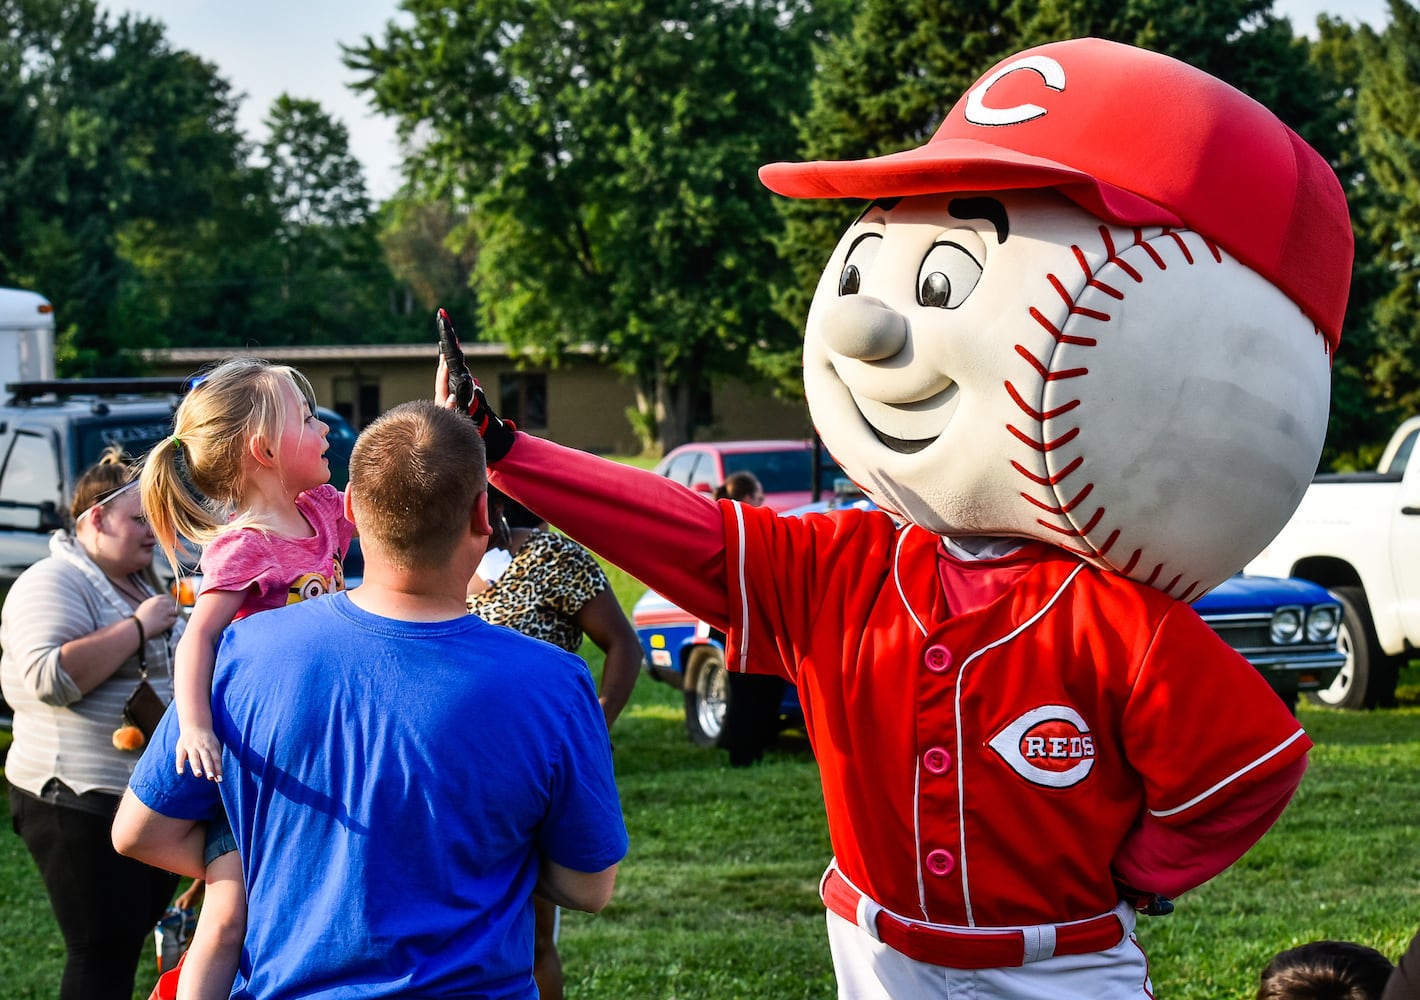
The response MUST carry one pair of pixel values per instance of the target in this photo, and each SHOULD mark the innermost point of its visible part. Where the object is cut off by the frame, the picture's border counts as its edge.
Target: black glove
(497, 433)
(1150, 904)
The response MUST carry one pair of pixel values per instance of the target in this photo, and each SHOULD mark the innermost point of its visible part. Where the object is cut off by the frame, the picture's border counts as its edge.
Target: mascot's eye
(849, 281)
(860, 261)
(948, 275)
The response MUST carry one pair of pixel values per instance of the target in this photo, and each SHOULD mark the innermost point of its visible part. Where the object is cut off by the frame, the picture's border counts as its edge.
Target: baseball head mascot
(1080, 344)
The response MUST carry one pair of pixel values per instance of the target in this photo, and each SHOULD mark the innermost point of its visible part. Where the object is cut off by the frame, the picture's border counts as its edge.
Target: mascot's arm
(1170, 859)
(668, 537)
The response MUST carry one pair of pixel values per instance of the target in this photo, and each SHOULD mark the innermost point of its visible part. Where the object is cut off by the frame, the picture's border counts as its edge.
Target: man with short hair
(401, 775)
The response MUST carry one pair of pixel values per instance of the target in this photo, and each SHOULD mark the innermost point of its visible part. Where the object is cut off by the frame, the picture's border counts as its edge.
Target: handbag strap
(142, 648)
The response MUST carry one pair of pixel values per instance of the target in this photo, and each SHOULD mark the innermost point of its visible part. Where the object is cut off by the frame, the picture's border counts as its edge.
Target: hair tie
(177, 441)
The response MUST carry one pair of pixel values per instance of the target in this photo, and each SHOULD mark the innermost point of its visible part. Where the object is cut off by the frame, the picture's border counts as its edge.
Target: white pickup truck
(1358, 534)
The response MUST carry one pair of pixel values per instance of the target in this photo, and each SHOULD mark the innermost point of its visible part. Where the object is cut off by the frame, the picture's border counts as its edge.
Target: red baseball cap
(1135, 138)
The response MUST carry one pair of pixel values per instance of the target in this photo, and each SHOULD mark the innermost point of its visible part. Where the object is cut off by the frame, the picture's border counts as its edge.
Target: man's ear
(349, 507)
(479, 523)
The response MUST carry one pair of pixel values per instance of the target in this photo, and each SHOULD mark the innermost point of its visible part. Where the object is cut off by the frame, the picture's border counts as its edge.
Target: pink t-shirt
(276, 570)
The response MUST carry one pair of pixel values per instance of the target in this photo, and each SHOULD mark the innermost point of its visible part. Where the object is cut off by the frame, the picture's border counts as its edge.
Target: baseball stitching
(1073, 519)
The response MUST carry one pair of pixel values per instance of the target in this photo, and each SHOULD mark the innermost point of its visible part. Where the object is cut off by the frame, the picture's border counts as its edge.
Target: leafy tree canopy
(605, 153)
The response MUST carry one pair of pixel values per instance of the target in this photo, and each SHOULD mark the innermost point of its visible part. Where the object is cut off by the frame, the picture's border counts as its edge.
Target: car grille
(1251, 634)
(1243, 633)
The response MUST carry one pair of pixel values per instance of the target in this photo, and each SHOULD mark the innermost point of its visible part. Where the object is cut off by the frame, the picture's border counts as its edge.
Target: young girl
(274, 532)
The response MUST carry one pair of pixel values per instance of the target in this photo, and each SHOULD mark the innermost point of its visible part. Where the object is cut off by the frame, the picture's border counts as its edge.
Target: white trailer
(26, 337)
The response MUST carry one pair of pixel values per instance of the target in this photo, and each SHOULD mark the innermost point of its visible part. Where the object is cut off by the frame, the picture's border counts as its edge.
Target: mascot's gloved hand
(1150, 904)
(496, 432)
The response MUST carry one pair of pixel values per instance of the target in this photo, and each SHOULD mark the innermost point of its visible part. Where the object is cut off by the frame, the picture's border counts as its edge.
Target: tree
(1388, 126)
(330, 284)
(427, 248)
(1361, 421)
(604, 152)
(123, 146)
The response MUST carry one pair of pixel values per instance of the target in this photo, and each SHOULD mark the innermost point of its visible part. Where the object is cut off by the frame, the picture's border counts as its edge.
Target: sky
(266, 47)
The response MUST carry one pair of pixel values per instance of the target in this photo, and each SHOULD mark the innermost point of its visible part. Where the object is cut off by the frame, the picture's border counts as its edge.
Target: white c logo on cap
(979, 114)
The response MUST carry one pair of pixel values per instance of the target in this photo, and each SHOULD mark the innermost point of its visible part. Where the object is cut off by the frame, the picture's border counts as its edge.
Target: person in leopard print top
(554, 590)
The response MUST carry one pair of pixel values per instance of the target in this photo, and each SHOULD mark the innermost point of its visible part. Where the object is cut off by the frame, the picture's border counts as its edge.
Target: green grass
(718, 896)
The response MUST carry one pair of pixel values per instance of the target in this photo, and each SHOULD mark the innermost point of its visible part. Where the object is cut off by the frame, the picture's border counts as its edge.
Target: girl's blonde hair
(227, 407)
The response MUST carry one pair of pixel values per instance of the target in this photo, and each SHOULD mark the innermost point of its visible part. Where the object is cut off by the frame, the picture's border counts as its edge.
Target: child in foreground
(247, 439)
(1325, 970)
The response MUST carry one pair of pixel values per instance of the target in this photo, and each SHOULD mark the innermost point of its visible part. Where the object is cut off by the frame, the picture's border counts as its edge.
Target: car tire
(1368, 677)
(707, 696)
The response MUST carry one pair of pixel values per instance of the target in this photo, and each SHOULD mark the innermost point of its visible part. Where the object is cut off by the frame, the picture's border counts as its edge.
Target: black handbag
(144, 708)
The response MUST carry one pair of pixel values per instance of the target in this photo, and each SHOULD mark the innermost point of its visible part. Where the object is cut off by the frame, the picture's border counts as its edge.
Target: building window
(357, 399)
(522, 397)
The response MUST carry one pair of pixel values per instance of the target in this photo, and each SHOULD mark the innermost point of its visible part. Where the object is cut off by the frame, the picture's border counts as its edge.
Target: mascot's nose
(862, 327)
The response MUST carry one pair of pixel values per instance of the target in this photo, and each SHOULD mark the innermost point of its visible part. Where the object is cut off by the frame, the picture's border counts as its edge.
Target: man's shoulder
(283, 617)
(524, 654)
(508, 640)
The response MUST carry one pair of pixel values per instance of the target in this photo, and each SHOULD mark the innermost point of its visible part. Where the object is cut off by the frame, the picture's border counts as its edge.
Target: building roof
(336, 352)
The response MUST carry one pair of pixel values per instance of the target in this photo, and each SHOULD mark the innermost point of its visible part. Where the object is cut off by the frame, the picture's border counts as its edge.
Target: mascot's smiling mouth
(900, 445)
(908, 428)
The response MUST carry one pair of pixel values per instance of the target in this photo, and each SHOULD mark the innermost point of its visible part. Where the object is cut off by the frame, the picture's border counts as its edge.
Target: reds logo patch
(1049, 746)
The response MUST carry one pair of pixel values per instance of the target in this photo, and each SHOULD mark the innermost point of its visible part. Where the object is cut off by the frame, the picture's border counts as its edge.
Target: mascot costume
(1079, 343)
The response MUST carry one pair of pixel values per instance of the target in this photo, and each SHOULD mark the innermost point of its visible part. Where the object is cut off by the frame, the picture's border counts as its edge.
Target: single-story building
(581, 402)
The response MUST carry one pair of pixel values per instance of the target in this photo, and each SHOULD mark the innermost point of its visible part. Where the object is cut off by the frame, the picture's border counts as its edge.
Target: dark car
(51, 431)
(785, 468)
(1287, 628)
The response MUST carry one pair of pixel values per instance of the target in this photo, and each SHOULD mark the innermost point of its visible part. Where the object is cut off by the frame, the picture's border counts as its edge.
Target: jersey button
(938, 658)
(937, 760)
(940, 862)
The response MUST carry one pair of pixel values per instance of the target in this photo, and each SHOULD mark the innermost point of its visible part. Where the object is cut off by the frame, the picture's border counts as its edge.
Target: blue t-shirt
(391, 786)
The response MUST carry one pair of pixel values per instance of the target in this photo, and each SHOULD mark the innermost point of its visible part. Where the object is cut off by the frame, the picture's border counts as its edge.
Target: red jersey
(984, 768)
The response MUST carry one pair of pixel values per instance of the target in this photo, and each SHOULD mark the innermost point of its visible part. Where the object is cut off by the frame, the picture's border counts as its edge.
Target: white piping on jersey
(897, 579)
(917, 835)
(917, 769)
(743, 661)
(956, 703)
(1230, 778)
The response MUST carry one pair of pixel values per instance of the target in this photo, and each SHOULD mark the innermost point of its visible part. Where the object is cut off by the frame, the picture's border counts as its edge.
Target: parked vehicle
(785, 468)
(1288, 629)
(1358, 534)
(26, 336)
(52, 430)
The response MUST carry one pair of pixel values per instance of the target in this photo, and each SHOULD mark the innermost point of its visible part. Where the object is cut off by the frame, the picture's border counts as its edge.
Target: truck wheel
(707, 697)
(1363, 678)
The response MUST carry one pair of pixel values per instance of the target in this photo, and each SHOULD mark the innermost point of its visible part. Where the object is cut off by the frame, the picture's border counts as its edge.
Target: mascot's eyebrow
(881, 204)
(983, 208)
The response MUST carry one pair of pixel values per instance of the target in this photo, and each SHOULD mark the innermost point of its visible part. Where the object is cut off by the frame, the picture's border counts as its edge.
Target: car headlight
(1287, 626)
(1323, 622)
